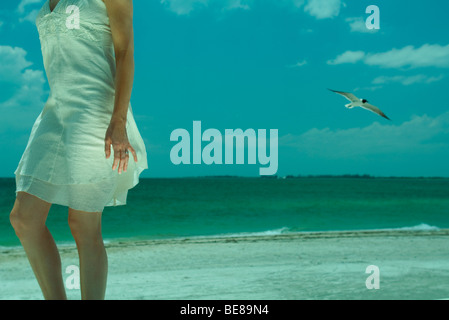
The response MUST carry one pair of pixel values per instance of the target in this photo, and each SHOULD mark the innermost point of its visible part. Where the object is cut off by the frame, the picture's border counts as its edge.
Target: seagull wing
(347, 95)
(374, 109)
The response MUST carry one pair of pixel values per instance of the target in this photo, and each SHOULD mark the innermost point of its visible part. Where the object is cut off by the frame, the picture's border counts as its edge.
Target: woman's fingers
(116, 135)
(116, 159)
(133, 152)
(121, 158)
(125, 165)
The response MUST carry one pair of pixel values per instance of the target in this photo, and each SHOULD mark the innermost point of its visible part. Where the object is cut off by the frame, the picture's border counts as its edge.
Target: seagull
(356, 102)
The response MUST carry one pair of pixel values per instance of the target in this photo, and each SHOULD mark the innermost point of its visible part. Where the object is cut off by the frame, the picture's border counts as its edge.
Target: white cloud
(31, 17)
(237, 4)
(24, 3)
(357, 24)
(323, 9)
(407, 80)
(20, 109)
(369, 88)
(13, 62)
(24, 14)
(320, 9)
(425, 56)
(348, 57)
(298, 64)
(420, 135)
(185, 7)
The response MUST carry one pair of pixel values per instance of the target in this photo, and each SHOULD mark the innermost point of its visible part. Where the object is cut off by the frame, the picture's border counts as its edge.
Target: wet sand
(326, 265)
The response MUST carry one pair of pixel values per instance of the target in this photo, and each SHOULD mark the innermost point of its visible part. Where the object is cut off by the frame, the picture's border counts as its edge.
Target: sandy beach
(328, 265)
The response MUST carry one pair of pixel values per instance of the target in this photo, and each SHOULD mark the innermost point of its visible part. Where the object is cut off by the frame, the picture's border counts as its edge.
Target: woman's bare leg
(86, 230)
(28, 218)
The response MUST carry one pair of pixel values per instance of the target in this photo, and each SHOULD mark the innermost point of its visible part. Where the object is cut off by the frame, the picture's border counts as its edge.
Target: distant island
(310, 176)
(346, 176)
(357, 176)
(324, 176)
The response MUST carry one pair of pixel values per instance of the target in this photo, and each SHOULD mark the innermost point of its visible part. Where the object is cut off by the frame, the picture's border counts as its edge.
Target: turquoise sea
(214, 206)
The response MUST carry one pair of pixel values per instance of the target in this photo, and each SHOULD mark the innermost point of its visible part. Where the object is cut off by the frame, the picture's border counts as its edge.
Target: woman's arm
(120, 14)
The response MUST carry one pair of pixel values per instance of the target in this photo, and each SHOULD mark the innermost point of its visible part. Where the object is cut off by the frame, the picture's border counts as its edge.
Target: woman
(87, 48)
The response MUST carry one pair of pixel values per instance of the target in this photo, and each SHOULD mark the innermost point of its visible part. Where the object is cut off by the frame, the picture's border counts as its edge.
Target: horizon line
(291, 176)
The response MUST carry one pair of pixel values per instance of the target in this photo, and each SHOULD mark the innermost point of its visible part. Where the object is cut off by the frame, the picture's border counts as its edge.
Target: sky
(264, 65)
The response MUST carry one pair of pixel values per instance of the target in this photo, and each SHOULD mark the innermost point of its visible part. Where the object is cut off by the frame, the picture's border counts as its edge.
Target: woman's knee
(85, 226)
(16, 221)
(28, 214)
(23, 224)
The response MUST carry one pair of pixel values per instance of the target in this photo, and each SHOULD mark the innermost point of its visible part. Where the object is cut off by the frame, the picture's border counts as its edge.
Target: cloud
(357, 24)
(323, 9)
(185, 7)
(30, 17)
(298, 64)
(24, 87)
(320, 9)
(237, 4)
(24, 13)
(406, 81)
(24, 3)
(369, 88)
(419, 135)
(425, 56)
(348, 57)
(296, 3)
(13, 62)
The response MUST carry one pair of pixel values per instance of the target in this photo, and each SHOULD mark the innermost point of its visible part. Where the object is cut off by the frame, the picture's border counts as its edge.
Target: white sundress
(64, 161)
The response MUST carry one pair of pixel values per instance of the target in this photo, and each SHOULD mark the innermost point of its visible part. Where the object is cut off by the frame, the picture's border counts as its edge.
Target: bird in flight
(363, 103)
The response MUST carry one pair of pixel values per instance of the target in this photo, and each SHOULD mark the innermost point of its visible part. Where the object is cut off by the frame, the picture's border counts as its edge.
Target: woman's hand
(117, 136)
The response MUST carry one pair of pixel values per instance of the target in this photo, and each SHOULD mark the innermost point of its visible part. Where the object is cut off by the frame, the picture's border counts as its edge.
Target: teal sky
(265, 64)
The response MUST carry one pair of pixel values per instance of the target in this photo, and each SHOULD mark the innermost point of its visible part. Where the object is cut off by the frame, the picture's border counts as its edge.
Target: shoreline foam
(255, 236)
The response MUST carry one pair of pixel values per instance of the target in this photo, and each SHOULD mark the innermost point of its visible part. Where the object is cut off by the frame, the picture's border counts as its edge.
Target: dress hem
(82, 197)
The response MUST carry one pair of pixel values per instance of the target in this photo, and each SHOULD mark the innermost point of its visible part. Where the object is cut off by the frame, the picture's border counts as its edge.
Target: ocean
(162, 208)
